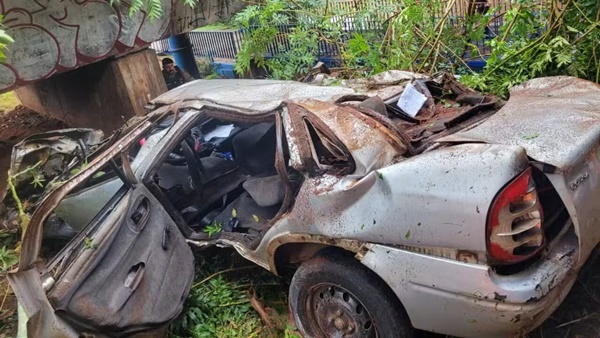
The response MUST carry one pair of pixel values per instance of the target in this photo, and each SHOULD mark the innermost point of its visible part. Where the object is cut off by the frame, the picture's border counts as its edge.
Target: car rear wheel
(333, 295)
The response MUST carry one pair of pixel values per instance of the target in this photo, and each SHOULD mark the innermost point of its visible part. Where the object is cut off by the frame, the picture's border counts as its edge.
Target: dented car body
(479, 230)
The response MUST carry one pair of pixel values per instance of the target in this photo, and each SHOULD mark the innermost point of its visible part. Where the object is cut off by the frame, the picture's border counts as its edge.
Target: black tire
(345, 299)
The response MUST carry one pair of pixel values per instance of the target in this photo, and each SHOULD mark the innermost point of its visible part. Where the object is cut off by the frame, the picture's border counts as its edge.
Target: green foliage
(8, 101)
(8, 258)
(212, 309)
(154, 8)
(219, 304)
(562, 38)
(309, 24)
(5, 40)
(415, 35)
(213, 228)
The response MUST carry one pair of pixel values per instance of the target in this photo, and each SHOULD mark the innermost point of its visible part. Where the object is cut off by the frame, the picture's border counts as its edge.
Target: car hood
(556, 119)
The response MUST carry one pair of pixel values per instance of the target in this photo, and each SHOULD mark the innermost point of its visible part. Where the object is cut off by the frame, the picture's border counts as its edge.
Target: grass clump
(220, 301)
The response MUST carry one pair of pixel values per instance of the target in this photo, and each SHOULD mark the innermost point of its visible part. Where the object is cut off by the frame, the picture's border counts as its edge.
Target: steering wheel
(194, 165)
(194, 140)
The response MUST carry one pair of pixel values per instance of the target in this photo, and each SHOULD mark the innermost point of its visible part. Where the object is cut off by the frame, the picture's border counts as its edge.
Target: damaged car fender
(439, 199)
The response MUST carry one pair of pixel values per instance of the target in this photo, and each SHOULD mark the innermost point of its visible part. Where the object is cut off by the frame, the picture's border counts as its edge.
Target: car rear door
(128, 271)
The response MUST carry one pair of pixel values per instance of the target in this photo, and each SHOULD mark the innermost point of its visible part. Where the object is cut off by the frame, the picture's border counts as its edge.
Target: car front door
(128, 271)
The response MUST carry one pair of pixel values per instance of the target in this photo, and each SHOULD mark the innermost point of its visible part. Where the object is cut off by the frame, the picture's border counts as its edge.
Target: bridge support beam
(101, 95)
(181, 47)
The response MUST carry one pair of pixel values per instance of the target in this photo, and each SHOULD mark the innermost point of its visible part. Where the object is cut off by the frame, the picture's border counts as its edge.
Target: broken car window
(325, 152)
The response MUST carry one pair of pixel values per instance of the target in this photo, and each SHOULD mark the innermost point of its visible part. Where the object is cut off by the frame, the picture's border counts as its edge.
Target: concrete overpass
(80, 60)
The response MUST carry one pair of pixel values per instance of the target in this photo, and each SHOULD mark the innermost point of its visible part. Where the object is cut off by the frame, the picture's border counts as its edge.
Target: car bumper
(470, 300)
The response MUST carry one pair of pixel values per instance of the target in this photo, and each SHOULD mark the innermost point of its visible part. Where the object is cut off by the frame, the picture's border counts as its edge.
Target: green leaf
(407, 235)
(89, 243)
(531, 136)
(573, 29)
(233, 213)
(256, 218)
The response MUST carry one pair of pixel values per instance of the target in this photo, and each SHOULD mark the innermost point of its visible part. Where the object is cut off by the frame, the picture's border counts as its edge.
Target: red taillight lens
(514, 228)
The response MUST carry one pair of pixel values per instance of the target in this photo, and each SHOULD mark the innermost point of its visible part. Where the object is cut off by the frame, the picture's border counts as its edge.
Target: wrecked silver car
(471, 218)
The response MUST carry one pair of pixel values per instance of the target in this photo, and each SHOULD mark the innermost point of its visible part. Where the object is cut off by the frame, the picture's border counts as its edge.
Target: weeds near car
(8, 257)
(213, 228)
(535, 38)
(220, 301)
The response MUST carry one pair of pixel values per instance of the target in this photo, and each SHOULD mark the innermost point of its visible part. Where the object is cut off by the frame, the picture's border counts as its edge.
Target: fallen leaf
(531, 136)
(407, 236)
(256, 218)
(233, 213)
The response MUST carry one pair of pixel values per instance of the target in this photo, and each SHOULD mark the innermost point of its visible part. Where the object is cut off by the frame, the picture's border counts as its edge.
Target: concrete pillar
(101, 95)
(181, 48)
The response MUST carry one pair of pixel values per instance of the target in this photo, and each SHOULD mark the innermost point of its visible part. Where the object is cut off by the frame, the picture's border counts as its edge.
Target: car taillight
(514, 228)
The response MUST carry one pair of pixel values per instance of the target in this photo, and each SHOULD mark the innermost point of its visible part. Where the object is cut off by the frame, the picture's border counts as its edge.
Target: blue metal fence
(223, 46)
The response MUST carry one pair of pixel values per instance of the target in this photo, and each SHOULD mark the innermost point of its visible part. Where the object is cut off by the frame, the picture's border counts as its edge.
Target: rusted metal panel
(400, 204)
(371, 144)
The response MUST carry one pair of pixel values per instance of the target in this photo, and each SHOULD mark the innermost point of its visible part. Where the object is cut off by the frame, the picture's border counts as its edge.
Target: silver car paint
(470, 300)
(421, 201)
(557, 120)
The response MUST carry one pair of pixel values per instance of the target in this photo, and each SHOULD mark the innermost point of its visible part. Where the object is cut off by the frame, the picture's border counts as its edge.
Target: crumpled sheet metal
(370, 150)
(56, 151)
(557, 119)
(259, 96)
(64, 144)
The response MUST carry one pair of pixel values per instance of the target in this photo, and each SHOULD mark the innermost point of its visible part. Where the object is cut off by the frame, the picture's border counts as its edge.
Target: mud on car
(470, 219)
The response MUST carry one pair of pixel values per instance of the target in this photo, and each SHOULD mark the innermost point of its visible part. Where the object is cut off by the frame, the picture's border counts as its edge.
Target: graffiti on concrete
(53, 36)
(204, 12)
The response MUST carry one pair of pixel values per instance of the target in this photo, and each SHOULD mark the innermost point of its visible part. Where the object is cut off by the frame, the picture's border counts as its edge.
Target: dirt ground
(577, 317)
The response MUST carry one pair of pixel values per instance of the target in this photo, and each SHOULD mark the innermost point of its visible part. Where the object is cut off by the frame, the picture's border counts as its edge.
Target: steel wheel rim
(334, 311)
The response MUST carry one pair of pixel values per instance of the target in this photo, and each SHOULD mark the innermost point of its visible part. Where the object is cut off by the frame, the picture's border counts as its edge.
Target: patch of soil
(8, 310)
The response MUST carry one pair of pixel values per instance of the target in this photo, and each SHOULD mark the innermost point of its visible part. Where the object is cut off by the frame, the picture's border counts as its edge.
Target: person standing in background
(174, 76)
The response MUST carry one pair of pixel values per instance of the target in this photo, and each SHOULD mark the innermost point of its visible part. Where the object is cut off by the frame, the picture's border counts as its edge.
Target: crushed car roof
(260, 96)
(256, 96)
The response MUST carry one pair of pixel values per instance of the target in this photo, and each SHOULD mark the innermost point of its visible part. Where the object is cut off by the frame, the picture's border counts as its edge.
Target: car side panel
(437, 199)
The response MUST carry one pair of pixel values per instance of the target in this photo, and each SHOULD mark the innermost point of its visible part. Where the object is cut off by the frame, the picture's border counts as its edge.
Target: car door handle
(165, 237)
(134, 276)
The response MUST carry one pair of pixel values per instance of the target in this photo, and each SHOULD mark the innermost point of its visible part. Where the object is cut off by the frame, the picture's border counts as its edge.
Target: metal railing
(226, 44)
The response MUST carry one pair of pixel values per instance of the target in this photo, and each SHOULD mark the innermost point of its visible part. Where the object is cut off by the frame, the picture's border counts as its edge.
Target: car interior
(223, 174)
